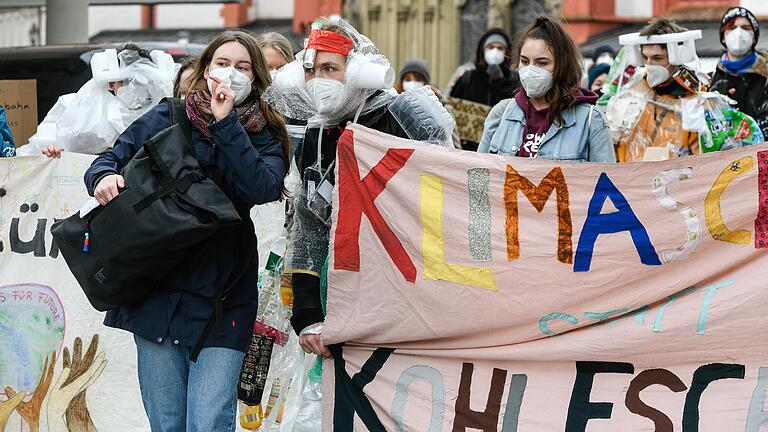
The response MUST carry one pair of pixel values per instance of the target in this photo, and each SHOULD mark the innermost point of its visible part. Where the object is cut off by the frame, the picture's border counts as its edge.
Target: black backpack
(120, 252)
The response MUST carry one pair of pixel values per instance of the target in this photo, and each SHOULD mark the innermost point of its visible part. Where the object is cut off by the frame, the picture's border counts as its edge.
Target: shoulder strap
(244, 260)
(589, 118)
(177, 113)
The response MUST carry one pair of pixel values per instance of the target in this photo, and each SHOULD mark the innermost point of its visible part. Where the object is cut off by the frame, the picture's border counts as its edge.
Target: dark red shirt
(537, 123)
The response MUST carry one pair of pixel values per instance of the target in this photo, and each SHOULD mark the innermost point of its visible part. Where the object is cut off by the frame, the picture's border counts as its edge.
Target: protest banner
(479, 292)
(74, 374)
(61, 369)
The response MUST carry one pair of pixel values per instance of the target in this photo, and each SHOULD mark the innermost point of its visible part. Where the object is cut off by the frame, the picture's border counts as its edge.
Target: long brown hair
(567, 73)
(261, 81)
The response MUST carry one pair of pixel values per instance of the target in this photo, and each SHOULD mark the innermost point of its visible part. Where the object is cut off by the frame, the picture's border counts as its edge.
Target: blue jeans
(180, 395)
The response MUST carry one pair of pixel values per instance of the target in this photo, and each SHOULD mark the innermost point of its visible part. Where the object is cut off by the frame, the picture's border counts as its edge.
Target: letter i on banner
(761, 222)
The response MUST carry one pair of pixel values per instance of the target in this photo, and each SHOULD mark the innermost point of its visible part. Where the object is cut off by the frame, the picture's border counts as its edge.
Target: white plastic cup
(290, 76)
(105, 67)
(373, 76)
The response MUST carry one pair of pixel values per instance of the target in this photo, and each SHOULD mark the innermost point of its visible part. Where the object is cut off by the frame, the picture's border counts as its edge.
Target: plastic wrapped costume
(416, 114)
(365, 97)
(90, 120)
(650, 124)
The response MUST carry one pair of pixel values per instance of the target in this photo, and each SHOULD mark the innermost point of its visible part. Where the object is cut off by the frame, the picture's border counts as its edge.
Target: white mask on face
(656, 75)
(326, 94)
(410, 85)
(535, 80)
(494, 56)
(738, 41)
(237, 81)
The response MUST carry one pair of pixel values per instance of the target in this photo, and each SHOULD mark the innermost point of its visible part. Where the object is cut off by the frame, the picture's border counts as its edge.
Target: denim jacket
(583, 136)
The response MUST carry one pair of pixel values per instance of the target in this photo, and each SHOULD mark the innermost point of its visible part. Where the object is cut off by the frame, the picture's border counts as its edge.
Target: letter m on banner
(357, 196)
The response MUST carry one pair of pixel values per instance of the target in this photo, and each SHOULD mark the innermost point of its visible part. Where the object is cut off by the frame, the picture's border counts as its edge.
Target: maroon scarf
(198, 107)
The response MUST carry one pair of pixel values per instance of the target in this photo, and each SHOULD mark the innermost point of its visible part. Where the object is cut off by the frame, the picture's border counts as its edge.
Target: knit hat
(418, 66)
(495, 38)
(736, 12)
(596, 71)
(602, 49)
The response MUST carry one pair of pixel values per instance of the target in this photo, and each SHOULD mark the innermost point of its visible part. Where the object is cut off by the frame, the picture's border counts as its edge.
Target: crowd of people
(256, 109)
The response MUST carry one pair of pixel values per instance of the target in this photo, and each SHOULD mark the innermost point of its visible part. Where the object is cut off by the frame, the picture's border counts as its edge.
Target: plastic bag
(90, 120)
(423, 117)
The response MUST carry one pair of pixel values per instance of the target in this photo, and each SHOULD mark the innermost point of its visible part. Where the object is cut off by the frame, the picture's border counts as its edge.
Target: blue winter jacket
(583, 136)
(7, 146)
(253, 167)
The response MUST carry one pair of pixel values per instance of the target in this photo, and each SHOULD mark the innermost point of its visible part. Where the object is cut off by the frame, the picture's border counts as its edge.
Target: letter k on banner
(357, 196)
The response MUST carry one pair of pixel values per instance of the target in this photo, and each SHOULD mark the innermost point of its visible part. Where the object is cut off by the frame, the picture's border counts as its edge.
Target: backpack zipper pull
(86, 242)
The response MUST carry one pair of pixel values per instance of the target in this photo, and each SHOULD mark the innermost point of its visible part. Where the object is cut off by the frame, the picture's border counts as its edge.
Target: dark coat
(307, 308)
(477, 86)
(252, 167)
(750, 89)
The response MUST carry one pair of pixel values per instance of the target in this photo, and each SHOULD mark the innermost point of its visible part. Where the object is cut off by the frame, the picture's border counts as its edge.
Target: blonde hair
(277, 42)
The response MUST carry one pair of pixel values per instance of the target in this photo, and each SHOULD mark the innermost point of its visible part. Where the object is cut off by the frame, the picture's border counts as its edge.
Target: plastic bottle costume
(365, 96)
(676, 118)
(368, 79)
(90, 120)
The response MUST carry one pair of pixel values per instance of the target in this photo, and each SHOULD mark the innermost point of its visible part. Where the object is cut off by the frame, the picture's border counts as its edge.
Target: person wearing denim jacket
(578, 139)
(550, 117)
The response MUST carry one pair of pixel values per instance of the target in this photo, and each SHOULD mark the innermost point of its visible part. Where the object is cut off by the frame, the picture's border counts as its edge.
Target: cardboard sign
(481, 292)
(470, 118)
(19, 99)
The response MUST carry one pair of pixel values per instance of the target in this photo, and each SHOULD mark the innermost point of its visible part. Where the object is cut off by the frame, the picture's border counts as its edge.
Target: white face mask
(410, 85)
(237, 81)
(656, 75)
(535, 80)
(494, 56)
(326, 94)
(738, 41)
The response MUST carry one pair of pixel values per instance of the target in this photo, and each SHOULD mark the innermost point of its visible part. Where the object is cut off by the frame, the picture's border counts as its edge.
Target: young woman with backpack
(241, 143)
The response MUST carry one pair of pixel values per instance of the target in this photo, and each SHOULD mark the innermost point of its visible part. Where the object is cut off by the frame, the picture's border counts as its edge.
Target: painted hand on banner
(30, 411)
(65, 390)
(7, 407)
(77, 415)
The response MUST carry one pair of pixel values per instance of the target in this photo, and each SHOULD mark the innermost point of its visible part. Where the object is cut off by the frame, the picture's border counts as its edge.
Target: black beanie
(736, 12)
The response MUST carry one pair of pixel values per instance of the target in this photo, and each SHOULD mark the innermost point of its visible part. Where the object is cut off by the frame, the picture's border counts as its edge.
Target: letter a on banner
(356, 197)
(610, 223)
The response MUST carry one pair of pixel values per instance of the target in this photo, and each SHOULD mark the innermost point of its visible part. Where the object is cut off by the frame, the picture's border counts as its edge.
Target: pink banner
(478, 292)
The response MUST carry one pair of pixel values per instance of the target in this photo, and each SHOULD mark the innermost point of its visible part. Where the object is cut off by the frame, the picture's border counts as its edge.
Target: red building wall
(306, 11)
(585, 18)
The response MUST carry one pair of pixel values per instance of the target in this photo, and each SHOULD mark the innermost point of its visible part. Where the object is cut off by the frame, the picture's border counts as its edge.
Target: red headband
(324, 40)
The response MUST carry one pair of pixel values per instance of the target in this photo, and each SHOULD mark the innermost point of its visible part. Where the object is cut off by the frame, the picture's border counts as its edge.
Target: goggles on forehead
(681, 47)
